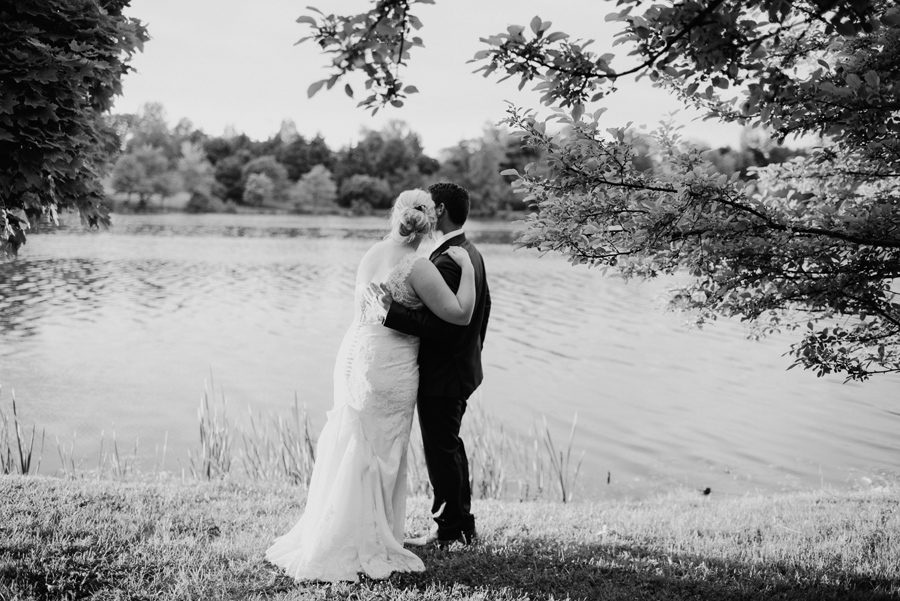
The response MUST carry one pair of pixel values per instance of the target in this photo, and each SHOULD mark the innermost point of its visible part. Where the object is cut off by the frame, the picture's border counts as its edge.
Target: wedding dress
(356, 506)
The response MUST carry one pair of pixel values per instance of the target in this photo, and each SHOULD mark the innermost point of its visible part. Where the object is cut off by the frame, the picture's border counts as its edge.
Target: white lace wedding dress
(356, 507)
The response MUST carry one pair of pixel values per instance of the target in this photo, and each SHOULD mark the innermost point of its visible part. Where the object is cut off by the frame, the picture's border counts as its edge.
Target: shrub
(365, 188)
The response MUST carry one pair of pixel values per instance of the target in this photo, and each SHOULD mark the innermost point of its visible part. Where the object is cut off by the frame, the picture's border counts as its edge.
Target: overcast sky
(226, 63)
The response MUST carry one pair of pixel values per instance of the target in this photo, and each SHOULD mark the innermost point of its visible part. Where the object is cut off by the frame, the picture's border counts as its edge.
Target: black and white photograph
(388, 300)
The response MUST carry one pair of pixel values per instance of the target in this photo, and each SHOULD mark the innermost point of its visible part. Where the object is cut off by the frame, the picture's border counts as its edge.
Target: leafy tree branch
(814, 241)
(61, 65)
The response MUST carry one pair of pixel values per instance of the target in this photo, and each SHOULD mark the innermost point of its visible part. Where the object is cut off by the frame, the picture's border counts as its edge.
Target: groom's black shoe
(469, 537)
(431, 540)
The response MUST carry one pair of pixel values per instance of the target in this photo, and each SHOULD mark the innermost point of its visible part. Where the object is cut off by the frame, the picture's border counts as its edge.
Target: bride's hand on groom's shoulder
(459, 256)
(378, 297)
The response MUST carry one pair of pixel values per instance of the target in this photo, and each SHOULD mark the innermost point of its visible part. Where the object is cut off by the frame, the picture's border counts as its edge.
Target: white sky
(234, 62)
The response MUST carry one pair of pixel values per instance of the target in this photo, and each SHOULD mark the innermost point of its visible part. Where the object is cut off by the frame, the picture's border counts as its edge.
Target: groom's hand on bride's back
(378, 297)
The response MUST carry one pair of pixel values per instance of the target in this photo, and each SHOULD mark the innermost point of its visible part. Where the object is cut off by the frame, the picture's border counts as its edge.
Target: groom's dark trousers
(449, 372)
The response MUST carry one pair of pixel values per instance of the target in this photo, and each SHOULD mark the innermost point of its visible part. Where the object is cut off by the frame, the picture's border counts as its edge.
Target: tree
(195, 169)
(287, 133)
(393, 154)
(229, 177)
(476, 165)
(128, 175)
(217, 149)
(258, 190)
(269, 166)
(145, 172)
(360, 190)
(299, 156)
(149, 127)
(167, 184)
(813, 243)
(315, 190)
(318, 153)
(61, 64)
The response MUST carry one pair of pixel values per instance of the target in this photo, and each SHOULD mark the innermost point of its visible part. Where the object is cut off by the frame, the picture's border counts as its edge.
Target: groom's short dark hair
(454, 198)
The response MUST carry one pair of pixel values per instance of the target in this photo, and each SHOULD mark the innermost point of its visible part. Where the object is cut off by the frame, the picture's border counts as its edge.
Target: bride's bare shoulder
(373, 262)
(374, 252)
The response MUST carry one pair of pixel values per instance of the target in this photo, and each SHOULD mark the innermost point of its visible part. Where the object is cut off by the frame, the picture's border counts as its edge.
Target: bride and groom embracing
(415, 341)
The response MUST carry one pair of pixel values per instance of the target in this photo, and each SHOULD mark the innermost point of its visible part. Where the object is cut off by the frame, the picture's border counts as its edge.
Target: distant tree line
(289, 171)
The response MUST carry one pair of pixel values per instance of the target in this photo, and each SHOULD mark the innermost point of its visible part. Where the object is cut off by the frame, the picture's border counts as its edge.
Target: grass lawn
(173, 539)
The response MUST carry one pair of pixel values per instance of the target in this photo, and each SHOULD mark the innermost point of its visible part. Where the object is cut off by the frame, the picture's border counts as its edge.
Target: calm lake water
(119, 330)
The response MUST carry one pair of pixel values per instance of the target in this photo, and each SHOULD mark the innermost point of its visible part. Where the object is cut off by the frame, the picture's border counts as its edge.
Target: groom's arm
(422, 322)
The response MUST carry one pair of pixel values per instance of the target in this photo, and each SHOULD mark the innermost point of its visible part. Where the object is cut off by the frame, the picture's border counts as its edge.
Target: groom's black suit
(449, 372)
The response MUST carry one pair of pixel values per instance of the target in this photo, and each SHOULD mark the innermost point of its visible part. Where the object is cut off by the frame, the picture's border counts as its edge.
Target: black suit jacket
(449, 355)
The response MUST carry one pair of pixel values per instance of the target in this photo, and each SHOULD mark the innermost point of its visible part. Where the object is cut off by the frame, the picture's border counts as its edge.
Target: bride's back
(379, 260)
(379, 265)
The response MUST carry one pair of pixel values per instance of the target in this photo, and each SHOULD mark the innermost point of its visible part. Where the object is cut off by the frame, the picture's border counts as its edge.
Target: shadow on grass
(542, 568)
(528, 569)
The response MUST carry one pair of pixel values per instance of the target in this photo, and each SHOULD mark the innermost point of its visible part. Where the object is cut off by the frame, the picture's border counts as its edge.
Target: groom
(449, 372)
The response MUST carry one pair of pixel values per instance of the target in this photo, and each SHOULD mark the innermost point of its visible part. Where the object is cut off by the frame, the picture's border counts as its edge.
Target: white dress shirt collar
(447, 236)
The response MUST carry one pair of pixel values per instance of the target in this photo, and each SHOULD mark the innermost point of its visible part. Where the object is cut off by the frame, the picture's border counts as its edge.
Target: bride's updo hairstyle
(412, 215)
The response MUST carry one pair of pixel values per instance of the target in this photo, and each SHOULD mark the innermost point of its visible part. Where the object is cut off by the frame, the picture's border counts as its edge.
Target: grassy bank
(165, 539)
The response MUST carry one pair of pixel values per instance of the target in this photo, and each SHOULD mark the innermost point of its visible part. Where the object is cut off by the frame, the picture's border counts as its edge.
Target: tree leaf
(577, 111)
(315, 88)
(872, 79)
(556, 36)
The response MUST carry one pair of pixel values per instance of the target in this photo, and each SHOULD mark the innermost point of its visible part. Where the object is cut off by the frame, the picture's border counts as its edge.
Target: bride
(356, 506)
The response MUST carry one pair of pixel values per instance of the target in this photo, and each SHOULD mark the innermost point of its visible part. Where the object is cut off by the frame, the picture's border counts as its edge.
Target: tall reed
(270, 446)
(24, 444)
(521, 465)
(114, 463)
(561, 462)
(492, 453)
(503, 464)
(111, 462)
(279, 447)
(214, 457)
(67, 458)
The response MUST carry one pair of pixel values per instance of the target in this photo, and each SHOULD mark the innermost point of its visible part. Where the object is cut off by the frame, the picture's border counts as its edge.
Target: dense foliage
(158, 161)
(61, 64)
(813, 242)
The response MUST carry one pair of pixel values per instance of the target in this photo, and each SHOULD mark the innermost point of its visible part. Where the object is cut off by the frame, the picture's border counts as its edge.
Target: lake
(118, 331)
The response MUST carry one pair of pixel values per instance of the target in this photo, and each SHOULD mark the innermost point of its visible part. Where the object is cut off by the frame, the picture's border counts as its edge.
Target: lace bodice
(396, 283)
